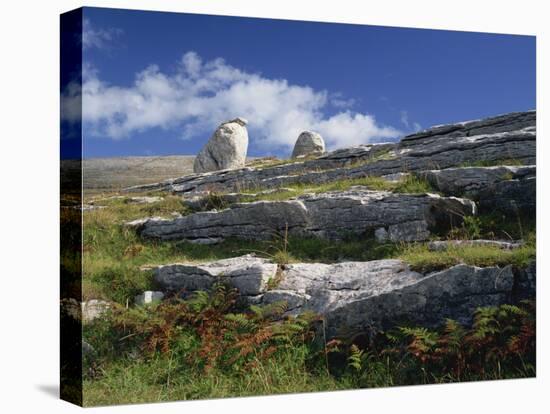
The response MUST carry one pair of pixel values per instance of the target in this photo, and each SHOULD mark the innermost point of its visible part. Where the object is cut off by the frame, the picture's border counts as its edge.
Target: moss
(492, 163)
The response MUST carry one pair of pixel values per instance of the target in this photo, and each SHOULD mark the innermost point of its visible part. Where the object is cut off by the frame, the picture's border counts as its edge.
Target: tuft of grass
(423, 260)
(492, 163)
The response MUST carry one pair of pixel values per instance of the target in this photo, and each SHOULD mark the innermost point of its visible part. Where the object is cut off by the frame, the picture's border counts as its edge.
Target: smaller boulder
(93, 309)
(148, 297)
(308, 144)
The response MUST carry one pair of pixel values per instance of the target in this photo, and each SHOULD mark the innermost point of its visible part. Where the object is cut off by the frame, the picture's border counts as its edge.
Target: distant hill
(118, 172)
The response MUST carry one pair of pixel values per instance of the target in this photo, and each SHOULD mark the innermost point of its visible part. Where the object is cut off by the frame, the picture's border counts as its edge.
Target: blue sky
(159, 83)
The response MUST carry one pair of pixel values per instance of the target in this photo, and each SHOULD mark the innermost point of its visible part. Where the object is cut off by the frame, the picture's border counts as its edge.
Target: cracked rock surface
(510, 136)
(358, 296)
(333, 215)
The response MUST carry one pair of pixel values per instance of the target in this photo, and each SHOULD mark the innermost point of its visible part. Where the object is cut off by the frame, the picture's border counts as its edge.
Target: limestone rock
(442, 245)
(330, 215)
(470, 181)
(148, 297)
(144, 200)
(510, 136)
(226, 149)
(248, 274)
(359, 296)
(93, 309)
(309, 143)
(510, 197)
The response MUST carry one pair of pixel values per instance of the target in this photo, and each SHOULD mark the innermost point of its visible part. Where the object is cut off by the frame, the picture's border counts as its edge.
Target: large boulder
(356, 297)
(309, 143)
(226, 149)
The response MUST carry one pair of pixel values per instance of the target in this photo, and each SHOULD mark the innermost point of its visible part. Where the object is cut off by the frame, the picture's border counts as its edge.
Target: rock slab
(333, 215)
(359, 296)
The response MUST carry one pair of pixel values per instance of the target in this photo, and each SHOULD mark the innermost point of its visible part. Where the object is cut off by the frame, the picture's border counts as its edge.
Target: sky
(159, 83)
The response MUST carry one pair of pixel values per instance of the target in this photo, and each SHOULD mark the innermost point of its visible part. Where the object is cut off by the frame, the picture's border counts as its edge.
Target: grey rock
(442, 245)
(87, 349)
(510, 197)
(409, 231)
(396, 177)
(381, 235)
(330, 215)
(93, 309)
(211, 201)
(226, 149)
(526, 282)
(362, 296)
(470, 181)
(309, 143)
(148, 297)
(490, 140)
(144, 200)
(248, 274)
(357, 297)
(90, 207)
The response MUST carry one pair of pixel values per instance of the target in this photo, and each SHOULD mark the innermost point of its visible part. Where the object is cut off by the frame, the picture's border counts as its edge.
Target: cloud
(97, 37)
(197, 96)
(404, 118)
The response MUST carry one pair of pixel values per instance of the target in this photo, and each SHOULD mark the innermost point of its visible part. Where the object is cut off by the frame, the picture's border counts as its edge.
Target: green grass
(122, 371)
(254, 354)
(163, 379)
(113, 254)
(423, 260)
(410, 184)
(492, 163)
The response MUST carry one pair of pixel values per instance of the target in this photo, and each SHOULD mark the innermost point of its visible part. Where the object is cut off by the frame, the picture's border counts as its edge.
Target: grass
(423, 260)
(113, 255)
(160, 379)
(492, 163)
(156, 354)
(410, 184)
(125, 370)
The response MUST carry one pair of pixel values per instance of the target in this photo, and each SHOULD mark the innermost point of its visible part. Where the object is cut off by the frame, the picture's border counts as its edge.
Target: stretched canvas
(259, 206)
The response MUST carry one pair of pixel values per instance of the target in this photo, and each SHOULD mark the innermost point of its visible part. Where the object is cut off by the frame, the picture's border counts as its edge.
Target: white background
(29, 163)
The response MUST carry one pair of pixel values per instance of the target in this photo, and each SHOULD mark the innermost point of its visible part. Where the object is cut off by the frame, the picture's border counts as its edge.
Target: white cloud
(97, 37)
(199, 95)
(414, 126)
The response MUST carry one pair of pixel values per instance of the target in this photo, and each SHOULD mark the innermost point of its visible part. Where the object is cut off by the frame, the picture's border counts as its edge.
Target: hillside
(377, 265)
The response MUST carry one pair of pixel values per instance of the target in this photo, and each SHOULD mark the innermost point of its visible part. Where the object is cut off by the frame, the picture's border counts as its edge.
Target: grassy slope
(113, 256)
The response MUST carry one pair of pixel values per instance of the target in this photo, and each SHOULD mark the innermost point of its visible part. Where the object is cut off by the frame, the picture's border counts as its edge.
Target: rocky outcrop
(510, 197)
(503, 188)
(511, 136)
(470, 181)
(357, 296)
(208, 201)
(248, 274)
(226, 149)
(333, 215)
(308, 144)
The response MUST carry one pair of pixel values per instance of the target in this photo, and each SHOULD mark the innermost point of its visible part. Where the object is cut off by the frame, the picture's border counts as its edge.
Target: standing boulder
(308, 143)
(226, 149)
